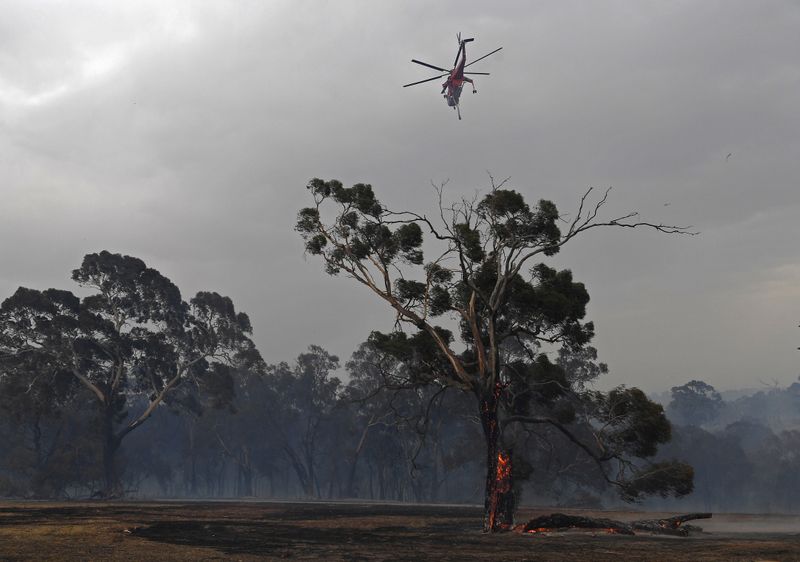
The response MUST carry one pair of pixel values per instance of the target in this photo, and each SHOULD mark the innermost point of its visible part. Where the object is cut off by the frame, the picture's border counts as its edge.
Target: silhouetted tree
(410, 435)
(722, 470)
(132, 337)
(485, 280)
(299, 410)
(694, 403)
(41, 429)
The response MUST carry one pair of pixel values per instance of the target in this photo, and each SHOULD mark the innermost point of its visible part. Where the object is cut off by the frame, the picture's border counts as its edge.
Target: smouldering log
(562, 522)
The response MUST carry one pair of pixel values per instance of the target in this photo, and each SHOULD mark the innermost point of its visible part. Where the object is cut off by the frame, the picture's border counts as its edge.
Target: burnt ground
(354, 531)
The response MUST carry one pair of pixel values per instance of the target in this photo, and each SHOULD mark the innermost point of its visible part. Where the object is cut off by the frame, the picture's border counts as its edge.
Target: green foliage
(557, 298)
(534, 385)
(469, 240)
(694, 403)
(359, 229)
(316, 244)
(408, 238)
(667, 478)
(503, 202)
(410, 290)
(438, 274)
(580, 364)
(360, 196)
(514, 223)
(419, 352)
(127, 288)
(637, 424)
(307, 220)
(440, 301)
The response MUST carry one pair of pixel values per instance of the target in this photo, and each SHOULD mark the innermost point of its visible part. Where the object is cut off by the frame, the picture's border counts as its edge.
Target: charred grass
(341, 531)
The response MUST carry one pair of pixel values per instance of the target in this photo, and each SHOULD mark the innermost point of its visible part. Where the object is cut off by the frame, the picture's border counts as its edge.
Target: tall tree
(694, 403)
(39, 413)
(424, 432)
(486, 281)
(132, 337)
(301, 406)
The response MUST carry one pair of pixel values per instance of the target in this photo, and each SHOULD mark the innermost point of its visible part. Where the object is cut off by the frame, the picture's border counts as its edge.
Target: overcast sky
(184, 133)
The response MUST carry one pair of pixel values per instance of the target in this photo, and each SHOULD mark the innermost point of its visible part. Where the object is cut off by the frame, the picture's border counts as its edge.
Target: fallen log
(562, 522)
(670, 525)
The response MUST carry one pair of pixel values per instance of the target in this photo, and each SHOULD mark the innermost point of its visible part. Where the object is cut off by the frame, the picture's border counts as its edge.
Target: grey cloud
(193, 154)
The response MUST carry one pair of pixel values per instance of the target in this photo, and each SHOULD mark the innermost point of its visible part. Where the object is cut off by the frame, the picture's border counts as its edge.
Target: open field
(353, 531)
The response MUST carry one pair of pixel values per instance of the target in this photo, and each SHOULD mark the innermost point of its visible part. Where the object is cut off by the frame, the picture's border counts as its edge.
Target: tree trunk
(351, 479)
(381, 482)
(499, 501)
(192, 460)
(245, 473)
(301, 471)
(271, 474)
(434, 484)
(110, 445)
(371, 488)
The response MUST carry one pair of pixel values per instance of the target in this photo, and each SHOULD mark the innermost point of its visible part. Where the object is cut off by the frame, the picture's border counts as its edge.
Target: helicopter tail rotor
(458, 38)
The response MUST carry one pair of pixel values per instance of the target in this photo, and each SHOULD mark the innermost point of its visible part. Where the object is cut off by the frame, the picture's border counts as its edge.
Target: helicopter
(451, 89)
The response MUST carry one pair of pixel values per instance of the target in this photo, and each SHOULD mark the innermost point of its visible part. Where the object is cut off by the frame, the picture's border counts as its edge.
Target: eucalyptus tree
(492, 292)
(131, 339)
(694, 403)
(37, 417)
(299, 412)
(422, 431)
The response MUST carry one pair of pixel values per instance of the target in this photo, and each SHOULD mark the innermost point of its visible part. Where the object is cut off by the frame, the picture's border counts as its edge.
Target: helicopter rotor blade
(423, 81)
(484, 73)
(483, 57)
(458, 53)
(430, 65)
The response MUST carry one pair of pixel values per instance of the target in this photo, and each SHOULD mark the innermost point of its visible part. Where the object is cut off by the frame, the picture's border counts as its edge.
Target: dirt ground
(354, 531)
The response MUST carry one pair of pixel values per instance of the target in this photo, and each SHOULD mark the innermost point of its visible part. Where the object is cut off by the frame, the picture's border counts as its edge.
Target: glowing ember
(540, 530)
(503, 475)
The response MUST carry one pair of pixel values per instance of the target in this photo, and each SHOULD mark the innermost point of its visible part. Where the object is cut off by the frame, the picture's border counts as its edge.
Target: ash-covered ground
(355, 531)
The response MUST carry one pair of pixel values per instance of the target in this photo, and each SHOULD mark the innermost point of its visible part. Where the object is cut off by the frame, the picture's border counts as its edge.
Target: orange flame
(502, 479)
(503, 474)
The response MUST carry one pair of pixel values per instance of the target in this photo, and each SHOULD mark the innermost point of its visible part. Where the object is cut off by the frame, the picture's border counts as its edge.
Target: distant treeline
(298, 431)
(745, 452)
(294, 431)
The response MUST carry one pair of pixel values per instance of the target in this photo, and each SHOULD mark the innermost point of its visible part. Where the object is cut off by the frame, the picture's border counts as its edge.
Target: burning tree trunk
(499, 500)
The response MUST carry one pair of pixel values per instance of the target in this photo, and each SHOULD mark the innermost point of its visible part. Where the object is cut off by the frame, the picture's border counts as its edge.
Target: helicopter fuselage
(453, 92)
(454, 83)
